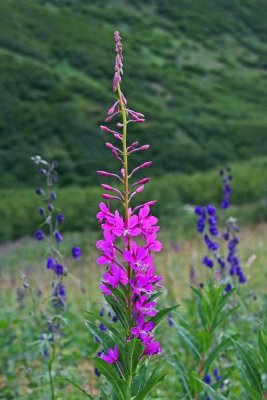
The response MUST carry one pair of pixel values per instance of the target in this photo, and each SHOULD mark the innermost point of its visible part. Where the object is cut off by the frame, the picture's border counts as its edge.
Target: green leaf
(155, 295)
(211, 392)
(263, 349)
(120, 386)
(104, 339)
(225, 344)
(117, 308)
(187, 339)
(249, 368)
(254, 395)
(152, 381)
(139, 380)
(195, 385)
(117, 334)
(77, 386)
(182, 376)
(103, 395)
(131, 354)
(162, 314)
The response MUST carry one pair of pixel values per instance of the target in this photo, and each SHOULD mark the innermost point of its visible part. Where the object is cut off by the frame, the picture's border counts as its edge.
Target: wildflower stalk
(125, 155)
(126, 189)
(50, 230)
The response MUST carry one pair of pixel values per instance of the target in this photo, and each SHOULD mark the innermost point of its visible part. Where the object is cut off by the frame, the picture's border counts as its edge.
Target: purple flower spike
(76, 252)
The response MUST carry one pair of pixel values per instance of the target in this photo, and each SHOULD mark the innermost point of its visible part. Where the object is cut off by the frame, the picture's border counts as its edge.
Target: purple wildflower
(207, 379)
(76, 253)
(39, 234)
(111, 356)
(60, 218)
(58, 236)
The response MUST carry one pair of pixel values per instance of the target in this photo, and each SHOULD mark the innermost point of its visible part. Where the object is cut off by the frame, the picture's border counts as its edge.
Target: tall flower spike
(207, 226)
(129, 236)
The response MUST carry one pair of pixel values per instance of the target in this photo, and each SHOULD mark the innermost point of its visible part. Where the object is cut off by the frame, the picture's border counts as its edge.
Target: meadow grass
(180, 262)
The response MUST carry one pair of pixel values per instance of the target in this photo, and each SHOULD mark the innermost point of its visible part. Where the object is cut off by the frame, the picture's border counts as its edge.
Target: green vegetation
(19, 208)
(22, 367)
(201, 72)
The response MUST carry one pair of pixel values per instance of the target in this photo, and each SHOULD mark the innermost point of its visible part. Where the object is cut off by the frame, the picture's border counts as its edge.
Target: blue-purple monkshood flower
(207, 379)
(115, 318)
(228, 287)
(102, 327)
(170, 320)
(59, 295)
(60, 218)
(39, 234)
(54, 266)
(53, 196)
(76, 252)
(39, 191)
(50, 263)
(208, 262)
(58, 236)
(213, 246)
(42, 212)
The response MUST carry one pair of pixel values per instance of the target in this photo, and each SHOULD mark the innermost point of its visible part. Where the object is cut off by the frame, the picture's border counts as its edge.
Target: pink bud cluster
(118, 60)
(129, 240)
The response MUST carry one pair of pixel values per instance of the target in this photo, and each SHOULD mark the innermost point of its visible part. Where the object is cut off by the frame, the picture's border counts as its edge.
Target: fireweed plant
(53, 318)
(129, 283)
(225, 262)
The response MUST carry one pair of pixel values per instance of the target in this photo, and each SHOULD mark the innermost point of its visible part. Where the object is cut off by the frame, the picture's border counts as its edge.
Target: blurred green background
(196, 68)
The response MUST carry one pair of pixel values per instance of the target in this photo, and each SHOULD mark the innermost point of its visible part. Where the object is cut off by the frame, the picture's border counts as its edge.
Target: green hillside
(196, 68)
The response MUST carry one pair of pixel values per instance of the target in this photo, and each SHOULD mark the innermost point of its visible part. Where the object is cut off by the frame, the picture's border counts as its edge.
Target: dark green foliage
(198, 76)
(80, 204)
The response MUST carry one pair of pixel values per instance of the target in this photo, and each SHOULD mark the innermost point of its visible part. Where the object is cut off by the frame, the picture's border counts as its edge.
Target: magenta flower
(143, 330)
(137, 257)
(112, 355)
(152, 349)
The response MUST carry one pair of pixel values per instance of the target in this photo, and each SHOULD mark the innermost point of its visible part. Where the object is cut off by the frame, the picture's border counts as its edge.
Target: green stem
(125, 155)
(126, 192)
(50, 370)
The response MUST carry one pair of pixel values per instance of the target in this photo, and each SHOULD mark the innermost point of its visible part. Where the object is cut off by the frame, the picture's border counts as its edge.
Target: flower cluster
(207, 225)
(208, 379)
(129, 239)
